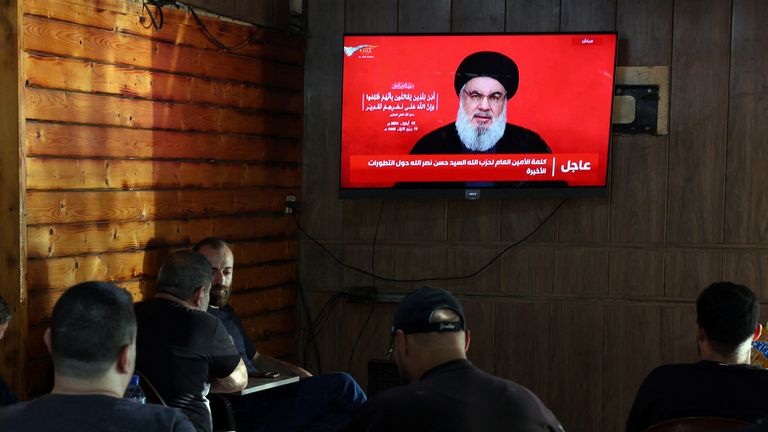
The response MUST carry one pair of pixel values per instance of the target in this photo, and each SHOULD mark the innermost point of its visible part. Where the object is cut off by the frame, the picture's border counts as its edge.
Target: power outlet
(291, 206)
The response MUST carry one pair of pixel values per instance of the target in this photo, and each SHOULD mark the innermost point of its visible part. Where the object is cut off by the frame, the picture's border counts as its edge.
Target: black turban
(488, 64)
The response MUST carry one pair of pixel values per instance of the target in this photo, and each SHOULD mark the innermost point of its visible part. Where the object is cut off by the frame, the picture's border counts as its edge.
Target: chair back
(153, 396)
(698, 424)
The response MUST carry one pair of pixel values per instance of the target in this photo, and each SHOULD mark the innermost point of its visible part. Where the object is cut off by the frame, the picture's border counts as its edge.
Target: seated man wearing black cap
(722, 384)
(445, 391)
(484, 82)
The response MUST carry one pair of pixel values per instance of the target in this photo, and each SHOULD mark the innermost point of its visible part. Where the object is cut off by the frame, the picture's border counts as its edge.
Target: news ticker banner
(575, 168)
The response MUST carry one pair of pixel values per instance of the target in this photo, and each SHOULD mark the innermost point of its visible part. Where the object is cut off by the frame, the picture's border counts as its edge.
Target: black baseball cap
(414, 313)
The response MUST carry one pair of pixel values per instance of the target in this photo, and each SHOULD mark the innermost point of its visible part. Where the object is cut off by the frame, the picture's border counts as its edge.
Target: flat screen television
(459, 115)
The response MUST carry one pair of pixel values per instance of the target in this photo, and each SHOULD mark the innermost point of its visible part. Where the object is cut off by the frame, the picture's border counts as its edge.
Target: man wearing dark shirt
(722, 384)
(445, 391)
(316, 403)
(7, 397)
(484, 82)
(92, 342)
(180, 346)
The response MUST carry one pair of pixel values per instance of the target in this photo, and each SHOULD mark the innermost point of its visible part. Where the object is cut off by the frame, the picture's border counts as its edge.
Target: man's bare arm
(265, 363)
(236, 381)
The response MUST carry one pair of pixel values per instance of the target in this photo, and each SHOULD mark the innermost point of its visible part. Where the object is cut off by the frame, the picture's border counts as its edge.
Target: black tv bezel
(478, 193)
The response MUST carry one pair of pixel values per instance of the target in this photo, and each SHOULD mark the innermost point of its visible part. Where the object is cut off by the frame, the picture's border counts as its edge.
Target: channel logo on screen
(362, 51)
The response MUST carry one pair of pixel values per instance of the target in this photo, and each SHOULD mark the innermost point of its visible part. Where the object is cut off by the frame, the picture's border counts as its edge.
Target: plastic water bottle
(133, 392)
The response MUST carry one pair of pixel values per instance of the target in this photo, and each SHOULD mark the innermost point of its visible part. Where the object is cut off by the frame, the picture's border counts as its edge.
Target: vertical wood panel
(636, 273)
(640, 162)
(686, 273)
(370, 16)
(631, 352)
(420, 220)
(360, 257)
(747, 268)
(533, 15)
(575, 351)
(12, 253)
(645, 32)
(639, 180)
(322, 211)
(327, 336)
(477, 16)
(585, 220)
(698, 120)
(414, 262)
(480, 315)
(521, 217)
(581, 272)
(466, 260)
(419, 16)
(522, 345)
(528, 270)
(374, 337)
(361, 218)
(473, 220)
(678, 334)
(588, 15)
(746, 207)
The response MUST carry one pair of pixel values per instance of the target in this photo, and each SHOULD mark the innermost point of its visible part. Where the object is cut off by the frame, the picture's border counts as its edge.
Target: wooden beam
(12, 255)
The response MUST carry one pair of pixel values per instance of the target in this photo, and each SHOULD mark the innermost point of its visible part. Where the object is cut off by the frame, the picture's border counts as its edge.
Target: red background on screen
(565, 91)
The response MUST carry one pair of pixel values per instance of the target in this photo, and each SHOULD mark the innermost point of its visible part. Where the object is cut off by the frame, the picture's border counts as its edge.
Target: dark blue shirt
(232, 323)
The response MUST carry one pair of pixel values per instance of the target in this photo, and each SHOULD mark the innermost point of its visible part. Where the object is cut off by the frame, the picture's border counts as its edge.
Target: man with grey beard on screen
(484, 82)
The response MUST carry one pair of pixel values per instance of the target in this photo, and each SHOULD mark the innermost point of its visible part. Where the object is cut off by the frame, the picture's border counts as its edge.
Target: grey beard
(479, 139)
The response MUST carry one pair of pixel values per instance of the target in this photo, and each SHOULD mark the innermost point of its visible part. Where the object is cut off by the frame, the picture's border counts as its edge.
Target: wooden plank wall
(140, 141)
(12, 353)
(605, 291)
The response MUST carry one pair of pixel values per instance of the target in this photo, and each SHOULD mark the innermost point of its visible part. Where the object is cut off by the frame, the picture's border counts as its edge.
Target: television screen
(476, 115)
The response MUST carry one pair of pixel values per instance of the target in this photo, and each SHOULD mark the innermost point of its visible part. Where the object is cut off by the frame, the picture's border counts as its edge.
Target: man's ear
(47, 339)
(124, 360)
(700, 333)
(758, 332)
(400, 342)
(466, 341)
(198, 297)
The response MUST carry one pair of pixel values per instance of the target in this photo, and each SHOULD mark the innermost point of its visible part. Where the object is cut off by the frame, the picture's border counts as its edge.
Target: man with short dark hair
(7, 397)
(180, 346)
(316, 403)
(722, 384)
(92, 341)
(445, 392)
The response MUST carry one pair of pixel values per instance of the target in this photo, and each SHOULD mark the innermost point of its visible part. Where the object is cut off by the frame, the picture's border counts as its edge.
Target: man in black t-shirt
(445, 391)
(92, 342)
(315, 403)
(722, 384)
(180, 346)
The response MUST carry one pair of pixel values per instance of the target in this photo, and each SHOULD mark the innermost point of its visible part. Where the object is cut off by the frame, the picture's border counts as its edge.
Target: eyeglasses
(477, 97)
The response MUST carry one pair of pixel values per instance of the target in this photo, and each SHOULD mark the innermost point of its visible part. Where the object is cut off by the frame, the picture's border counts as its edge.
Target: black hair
(214, 243)
(728, 313)
(5, 311)
(182, 273)
(91, 323)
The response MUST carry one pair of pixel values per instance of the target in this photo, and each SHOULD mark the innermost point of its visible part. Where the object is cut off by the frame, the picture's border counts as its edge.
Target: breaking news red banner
(481, 168)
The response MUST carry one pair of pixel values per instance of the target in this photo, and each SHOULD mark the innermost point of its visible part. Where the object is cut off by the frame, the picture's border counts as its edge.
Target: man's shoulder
(517, 139)
(64, 412)
(443, 140)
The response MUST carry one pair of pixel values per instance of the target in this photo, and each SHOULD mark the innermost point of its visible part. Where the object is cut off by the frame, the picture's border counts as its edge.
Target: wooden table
(260, 384)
